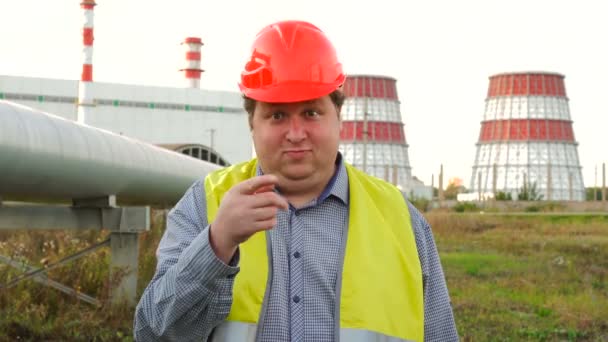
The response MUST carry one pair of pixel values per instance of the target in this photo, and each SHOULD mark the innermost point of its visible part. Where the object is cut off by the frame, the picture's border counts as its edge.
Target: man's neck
(299, 195)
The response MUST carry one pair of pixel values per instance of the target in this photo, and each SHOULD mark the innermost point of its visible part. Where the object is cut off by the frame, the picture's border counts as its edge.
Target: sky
(440, 52)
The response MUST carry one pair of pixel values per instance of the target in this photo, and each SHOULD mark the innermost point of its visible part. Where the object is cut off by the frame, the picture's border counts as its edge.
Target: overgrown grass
(511, 278)
(31, 311)
(531, 278)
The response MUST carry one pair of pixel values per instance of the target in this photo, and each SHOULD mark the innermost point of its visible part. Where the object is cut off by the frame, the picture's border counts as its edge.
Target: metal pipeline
(43, 156)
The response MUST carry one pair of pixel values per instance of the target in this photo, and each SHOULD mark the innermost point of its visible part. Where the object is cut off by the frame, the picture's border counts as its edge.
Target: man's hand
(247, 208)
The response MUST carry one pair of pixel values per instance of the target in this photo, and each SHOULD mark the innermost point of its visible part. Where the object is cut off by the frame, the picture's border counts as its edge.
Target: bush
(503, 196)
(532, 209)
(421, 204)
(529, 192)
(465, 207)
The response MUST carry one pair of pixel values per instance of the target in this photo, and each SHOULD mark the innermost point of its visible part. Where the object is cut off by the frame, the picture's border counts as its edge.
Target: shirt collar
(337, 185)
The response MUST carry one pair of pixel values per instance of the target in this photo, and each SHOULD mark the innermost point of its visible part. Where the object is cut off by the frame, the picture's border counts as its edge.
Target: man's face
(298, 142)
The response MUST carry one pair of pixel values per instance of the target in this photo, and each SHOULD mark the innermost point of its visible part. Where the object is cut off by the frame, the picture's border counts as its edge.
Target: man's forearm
(188, 297)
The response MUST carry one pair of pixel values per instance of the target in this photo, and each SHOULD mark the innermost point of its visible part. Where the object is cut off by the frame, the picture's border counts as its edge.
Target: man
(296, 245)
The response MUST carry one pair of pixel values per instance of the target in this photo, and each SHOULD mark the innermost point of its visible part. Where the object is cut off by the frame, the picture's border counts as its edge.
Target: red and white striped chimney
(192, 69)
(85, 98)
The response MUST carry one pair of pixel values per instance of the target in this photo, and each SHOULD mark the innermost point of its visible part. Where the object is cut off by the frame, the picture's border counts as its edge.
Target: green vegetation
(30, 311)
(462, 207)
(503, 196)
(530, 277)
(529, 192)
(452, 191)
(527, 277)
(593, 194)
(421, 203)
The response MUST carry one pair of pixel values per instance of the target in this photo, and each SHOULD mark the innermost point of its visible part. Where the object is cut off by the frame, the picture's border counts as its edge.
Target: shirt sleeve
(439, 324)
(191, 291)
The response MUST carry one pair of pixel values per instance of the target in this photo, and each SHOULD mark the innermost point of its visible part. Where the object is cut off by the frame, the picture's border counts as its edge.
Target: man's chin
(297, 173)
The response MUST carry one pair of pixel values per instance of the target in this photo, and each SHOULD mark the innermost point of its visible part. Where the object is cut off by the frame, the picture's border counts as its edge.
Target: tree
(453, 190)
(503, 196)
(529, 192)
(593, 192)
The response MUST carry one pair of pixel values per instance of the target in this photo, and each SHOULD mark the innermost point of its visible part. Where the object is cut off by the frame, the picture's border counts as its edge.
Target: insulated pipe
(46, 157)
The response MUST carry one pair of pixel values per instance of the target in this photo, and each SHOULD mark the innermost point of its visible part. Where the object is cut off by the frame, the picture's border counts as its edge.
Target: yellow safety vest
(381, 298)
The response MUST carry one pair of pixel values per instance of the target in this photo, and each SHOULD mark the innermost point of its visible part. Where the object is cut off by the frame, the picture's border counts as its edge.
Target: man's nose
(296, 131)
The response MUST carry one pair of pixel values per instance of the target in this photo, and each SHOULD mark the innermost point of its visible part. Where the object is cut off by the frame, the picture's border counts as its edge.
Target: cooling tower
(372, 137)
(526, 139)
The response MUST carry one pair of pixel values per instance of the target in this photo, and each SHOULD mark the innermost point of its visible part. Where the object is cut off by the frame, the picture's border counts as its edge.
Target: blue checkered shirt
(191, 292)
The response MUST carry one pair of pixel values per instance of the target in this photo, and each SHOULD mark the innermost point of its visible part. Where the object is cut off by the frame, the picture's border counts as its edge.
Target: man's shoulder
(241, 167)
(419, 222)
(230, 175)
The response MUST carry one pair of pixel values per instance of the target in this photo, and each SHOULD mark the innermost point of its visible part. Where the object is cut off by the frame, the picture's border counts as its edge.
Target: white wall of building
(158, 115)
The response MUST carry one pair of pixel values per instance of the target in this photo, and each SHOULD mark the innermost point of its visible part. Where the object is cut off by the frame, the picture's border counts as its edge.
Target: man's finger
(252, 185)
(264, 213)
(265, 188)
(266, 199)
(264, 225)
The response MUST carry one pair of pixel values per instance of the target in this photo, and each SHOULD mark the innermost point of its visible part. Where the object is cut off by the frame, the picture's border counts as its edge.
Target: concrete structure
(214, 120)
(372, 136)
(526, 139)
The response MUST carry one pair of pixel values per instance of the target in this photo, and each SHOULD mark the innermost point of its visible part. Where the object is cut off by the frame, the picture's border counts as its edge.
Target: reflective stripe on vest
(357, 335)
(237, 331)
(381, 288)
(234, 331)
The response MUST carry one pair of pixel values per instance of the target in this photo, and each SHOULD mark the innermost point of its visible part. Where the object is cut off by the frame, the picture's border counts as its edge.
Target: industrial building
(373, 136)
(212, 125)
(526, 139)
(205, 124)
(187, 119)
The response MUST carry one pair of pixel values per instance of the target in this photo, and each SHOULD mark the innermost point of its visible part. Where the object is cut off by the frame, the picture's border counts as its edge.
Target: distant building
(420, 190)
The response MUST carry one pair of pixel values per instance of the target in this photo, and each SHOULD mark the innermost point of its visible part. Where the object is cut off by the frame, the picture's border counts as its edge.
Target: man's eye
(278, 116)
(312, 113)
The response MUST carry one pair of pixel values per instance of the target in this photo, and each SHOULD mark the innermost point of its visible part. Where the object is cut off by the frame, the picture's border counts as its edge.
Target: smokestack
(192, 69)
(85, 99)
(603, 182)
(440, 190)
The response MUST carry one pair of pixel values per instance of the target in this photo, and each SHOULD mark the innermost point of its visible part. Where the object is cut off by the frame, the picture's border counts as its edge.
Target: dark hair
(336, 96)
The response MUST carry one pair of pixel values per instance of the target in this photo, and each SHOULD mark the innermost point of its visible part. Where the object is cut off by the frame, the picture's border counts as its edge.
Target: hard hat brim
(291, 91)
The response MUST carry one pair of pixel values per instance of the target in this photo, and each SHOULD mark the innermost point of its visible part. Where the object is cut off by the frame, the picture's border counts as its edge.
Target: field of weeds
(511, 278)
(526, 277)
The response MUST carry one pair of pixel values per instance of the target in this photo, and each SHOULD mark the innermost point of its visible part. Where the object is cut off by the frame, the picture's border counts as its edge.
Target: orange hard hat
(291, 61)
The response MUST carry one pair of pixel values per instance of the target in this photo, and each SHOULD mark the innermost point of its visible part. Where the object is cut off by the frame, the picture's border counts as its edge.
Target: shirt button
(296, 299)
(296, 255)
